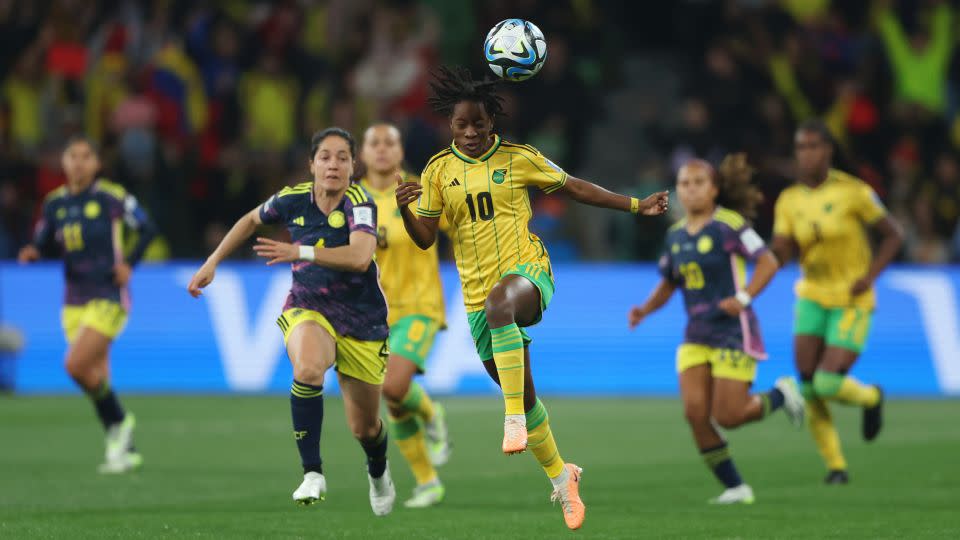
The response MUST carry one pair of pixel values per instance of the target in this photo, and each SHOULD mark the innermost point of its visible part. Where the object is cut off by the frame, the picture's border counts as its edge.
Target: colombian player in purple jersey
(705, 258)
(84, 222)
(335, 315)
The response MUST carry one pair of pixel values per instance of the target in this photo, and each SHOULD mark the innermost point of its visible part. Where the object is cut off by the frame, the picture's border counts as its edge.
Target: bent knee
(309, 373)
(728, 419)
(499, 310)
(366, 432)
(395, 391)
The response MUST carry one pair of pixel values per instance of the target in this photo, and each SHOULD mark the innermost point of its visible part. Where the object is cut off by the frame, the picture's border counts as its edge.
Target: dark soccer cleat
(873, 419)
(837, 477)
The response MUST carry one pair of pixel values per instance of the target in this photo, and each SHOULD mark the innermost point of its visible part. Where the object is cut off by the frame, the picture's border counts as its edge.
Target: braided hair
(451, 85)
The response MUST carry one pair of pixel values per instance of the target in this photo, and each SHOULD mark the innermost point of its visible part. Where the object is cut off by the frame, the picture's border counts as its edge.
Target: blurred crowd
(882, 74)
(204, 108)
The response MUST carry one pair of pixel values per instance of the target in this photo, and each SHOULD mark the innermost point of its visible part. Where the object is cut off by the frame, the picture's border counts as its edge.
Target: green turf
(224, 467)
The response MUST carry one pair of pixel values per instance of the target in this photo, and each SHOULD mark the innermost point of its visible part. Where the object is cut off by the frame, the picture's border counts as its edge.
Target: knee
(395, 390)
(826, 384)
(79, 370)
(308, 373)
(499, 310)
(727, 419)
(696, 414)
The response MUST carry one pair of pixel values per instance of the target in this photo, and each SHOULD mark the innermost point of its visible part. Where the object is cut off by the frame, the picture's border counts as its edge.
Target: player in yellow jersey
(823, 221)
(410, 278)
(480, 185)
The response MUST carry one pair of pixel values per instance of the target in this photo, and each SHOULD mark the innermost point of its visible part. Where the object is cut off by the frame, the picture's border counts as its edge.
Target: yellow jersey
(487, 207)
(829, 224)
(409, 276)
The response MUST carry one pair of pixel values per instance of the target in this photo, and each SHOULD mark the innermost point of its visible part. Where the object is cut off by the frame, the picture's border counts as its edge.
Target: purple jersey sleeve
(361, 217)
(274, 210)
(665, 267)
(44, 234)
(745, 242)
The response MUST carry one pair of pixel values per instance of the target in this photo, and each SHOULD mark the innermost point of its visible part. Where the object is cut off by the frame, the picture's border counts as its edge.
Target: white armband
(307, 253)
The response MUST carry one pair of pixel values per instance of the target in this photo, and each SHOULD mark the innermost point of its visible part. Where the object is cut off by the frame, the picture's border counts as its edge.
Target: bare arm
(784, 249)
(658, 297)
(594, 195)
(238, 234)
(891, 240)
(353, 257)
(767, 266)
(422, 230)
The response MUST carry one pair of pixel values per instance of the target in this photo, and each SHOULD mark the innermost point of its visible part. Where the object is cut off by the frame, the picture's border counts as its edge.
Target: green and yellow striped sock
(418, 402)
(540, 441)
(508, 356)
(408, 433)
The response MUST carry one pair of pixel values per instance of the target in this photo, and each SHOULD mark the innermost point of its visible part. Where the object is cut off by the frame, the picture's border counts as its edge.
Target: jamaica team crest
(499, 175)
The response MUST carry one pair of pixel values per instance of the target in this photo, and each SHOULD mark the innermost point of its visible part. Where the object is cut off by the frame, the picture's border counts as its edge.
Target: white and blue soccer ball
(515, 49)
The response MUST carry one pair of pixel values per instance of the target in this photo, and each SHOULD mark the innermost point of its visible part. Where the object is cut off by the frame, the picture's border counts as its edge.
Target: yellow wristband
(634, 205)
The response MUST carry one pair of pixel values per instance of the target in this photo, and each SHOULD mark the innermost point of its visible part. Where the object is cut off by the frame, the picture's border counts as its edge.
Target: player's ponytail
(736, 192)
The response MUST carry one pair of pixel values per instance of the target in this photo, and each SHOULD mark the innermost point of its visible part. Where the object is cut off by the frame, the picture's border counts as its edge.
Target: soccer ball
(515, 49)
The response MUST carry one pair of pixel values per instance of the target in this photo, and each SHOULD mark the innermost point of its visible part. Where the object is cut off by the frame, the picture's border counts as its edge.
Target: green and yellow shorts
(843, 327)
(363, 360)
(724, 363)
(105, 316)
(412, 337)
(542, 279)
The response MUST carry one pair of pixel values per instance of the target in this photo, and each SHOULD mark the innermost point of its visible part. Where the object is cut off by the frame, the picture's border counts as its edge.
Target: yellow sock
(825, 434)
(857, 393)
(408, 434)
(540, 441)
(418, 402)
(508, 356)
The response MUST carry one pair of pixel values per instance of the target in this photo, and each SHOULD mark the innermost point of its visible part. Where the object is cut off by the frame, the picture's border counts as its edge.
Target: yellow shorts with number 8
(724, 363)
(363, 360)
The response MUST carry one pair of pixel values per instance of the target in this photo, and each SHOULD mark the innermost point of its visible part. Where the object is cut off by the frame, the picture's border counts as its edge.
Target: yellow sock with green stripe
(821, 427)
(418, 402)
(407, 431)
(540, 441)
(845, 389)
(508, 356)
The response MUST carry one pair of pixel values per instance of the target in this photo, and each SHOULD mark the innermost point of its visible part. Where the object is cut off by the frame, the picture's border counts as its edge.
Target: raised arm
(658, 297)
(238, 234)
(422, 229)
(594, 195)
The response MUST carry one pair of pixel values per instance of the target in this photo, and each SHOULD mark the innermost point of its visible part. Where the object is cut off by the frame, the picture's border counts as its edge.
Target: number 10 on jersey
(483, 206)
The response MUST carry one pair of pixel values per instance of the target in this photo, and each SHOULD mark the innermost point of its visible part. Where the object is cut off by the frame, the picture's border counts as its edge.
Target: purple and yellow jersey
(351, 301)
(709, 266)
(88, 228)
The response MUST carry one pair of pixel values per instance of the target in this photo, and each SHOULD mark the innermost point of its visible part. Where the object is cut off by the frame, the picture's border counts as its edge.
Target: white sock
(561, 479)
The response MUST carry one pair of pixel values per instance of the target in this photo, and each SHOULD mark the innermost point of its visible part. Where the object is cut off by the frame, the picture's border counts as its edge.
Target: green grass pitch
(224, 467)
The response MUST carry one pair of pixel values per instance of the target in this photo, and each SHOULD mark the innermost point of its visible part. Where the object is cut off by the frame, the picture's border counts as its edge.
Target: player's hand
(201, 279)
(407, 192)
(731, 306)
(28, 254)
(635, 316)
(121, 274)
(655, 204)
(860, 286)
(276, 252)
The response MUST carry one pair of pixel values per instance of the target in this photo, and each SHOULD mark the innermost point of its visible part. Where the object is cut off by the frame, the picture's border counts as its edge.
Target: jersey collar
(486, 155)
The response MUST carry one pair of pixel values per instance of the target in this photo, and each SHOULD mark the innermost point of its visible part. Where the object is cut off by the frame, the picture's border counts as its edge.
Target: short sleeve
(782, 225)
(665, 267)
(537, 171)
(746, 242)
(273, 211)
(362, 217)
(868, 206)
(431, 200)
